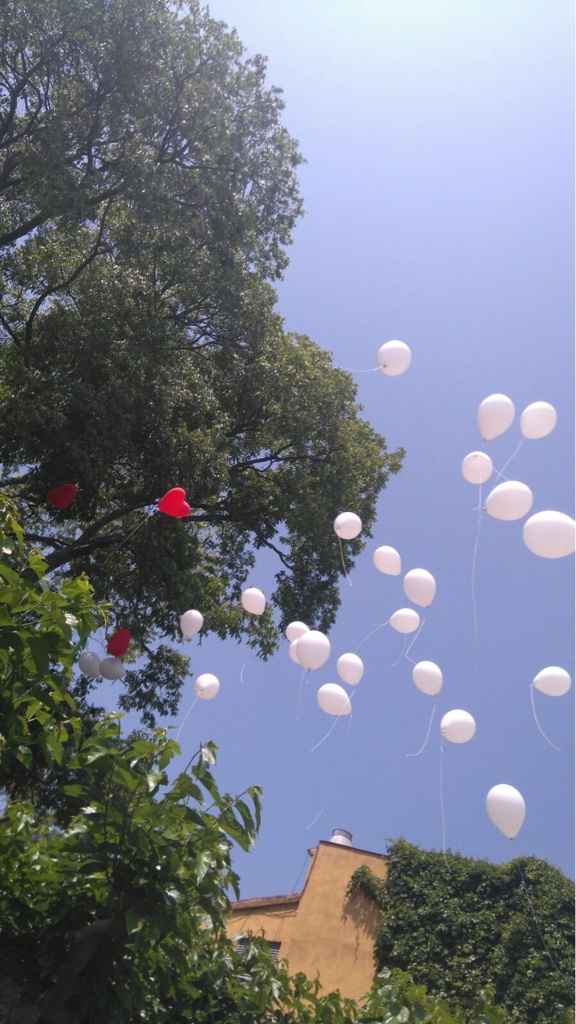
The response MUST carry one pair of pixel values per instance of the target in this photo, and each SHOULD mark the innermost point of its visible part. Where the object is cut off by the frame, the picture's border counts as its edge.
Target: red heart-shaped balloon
(119, 642)
(62, 497)
(174, 503)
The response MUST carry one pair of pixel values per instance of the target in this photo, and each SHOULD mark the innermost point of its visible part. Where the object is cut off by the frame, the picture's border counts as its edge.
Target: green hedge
(460, 926)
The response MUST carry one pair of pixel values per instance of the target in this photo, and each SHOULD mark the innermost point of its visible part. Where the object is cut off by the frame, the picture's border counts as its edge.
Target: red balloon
(62, 497)
(174, 503)
(119, 642)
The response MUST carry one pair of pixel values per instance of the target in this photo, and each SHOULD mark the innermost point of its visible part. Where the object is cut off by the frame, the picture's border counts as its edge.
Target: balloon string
(442, 807)
(329, 733)
(129, 537)
(475, 569)
(403, 654)
(315, 819)
(242, 671)
(538, 726)
(500, 472)
(371, 634)
(426, 738)
(350, 369)
(414, 638)
(348, 580)
(186, 716)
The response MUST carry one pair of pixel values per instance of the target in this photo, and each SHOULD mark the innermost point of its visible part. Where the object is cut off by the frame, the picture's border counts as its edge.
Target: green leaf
(42, 647)
(153, 780)
(74, 789)
(54, 745)
(10, 575)
(134, 922)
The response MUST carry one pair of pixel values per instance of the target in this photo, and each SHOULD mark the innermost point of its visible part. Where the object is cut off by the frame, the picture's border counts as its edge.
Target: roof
(265, 901)
(291, 898)
(355, 849)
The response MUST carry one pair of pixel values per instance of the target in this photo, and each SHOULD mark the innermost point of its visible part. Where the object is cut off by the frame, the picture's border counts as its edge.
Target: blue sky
(438, 190)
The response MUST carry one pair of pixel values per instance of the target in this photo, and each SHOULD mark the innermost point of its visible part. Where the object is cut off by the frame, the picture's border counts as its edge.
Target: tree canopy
(461, 926)
(148, 192)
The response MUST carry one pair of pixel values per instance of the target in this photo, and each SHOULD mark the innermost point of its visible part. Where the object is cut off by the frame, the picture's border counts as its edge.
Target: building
(319, 930)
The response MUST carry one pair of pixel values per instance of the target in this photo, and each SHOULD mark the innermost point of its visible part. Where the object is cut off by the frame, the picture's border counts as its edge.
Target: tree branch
(286, 561)
(71, 278)
(111, 517)
(53, 542)
(23, 229)
(76, 550)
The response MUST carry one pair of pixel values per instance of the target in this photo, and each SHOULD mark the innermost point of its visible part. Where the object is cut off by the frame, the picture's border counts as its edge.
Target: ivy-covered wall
(461, 927)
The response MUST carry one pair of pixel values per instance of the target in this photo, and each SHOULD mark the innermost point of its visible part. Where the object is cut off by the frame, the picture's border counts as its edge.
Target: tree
(113, 883)
(149, 191)
(459, 926)
(395, 999)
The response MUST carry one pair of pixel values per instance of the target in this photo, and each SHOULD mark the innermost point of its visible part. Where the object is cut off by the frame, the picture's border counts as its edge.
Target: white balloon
(347, 526)
(253, 601)
(550, 534)
(191, 622)
(477, 467)
(313, 649)
(89, 664)
(334, 700)
(206, 686)
(495, 414)
(457, 726)
(538, 420)
(387, 560)
(293, 651)
(394, 358)
(112, 668)
(553, 681)
(506, 809)
(510, 500)
(420, 587)
(427, 677)
(350, 668)
(405, 620)
(295, 630)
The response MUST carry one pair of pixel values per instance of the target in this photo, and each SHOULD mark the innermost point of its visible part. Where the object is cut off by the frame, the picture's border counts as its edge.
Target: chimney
(341, 837)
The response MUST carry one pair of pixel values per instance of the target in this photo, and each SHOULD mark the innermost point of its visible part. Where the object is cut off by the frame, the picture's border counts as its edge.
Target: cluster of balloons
(207, 685)
(310, 649)
(548, 534)
(457, 726)
(110, 667)
(93, 667)
(420, 588)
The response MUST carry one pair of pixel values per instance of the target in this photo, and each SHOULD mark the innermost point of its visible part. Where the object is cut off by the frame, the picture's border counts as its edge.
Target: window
(274, 948)
(243, 941)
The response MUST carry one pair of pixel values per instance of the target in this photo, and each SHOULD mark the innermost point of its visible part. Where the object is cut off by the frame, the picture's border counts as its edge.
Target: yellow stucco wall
(323, 934)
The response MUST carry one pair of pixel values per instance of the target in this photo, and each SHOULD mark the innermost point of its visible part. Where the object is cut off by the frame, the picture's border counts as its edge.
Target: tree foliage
(148, 191)
(396, 999)
(460, 926)
(115, 882)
